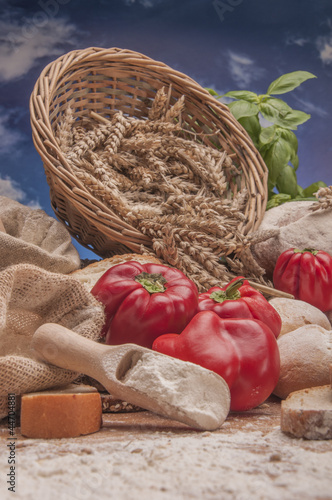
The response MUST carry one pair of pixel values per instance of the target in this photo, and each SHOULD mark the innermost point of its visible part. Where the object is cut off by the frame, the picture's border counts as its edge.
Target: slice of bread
(91, 274)
(308, 413)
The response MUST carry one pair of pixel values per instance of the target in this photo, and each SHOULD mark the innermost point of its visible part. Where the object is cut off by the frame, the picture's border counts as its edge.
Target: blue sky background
(243, 44)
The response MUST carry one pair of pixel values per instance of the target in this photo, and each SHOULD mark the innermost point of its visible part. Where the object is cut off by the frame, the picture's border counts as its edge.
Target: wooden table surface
(142, 455)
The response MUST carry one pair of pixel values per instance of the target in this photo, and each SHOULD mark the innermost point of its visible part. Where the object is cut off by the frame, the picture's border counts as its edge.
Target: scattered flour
(222, 465)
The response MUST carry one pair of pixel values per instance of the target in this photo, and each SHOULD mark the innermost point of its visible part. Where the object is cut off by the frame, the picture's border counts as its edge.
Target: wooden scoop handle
(64, 348)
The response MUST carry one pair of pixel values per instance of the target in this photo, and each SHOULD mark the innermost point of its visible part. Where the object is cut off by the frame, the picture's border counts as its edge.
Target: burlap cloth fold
(33, 237)
(29, 297)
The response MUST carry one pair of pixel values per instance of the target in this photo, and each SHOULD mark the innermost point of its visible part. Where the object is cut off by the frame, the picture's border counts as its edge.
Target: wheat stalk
(324, 199)
(169, 185)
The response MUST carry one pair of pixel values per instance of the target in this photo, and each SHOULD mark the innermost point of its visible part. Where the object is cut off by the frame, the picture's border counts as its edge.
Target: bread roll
(296, 313)
(305, 357)
(308, 413)
(91, 274)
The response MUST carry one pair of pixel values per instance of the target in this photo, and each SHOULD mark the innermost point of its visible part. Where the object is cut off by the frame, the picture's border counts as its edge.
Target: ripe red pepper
(242, 351)
(240, 300)
(306, 274)
(143, 301)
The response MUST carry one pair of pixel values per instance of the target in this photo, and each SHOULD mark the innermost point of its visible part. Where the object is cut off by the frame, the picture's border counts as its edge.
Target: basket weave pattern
(106, 82)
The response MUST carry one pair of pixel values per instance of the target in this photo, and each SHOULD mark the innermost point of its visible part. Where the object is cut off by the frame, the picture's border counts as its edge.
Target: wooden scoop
(172, 388)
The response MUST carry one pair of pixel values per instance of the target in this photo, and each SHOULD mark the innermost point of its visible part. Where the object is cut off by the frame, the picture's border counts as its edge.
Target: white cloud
(310, 107)
(12, 190)
(145, 3)
(23, 41)
(9, 137)
(324, 46)
(243, 69)
(323, 43)
(300, 41)
(33, 204)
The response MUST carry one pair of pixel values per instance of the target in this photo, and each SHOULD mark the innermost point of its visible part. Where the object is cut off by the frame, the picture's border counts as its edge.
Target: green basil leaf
(274, 110)
(276, 158)
(293, 119)
(300, 192)
(287, 181)
(277, 199)
(242, 108)
(252, 126)
(288, 82)
(313, 188)
(290, 137)
(294, 159)
(267, 135)
(212, 92)
(275, 106)
(245, 95)
(301, 198)
(290, 119)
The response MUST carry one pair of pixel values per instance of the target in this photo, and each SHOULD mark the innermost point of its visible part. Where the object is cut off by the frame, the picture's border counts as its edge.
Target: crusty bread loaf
(296, 313)
(305, 357)
(70, 411)
(308, 413)
(91, 274)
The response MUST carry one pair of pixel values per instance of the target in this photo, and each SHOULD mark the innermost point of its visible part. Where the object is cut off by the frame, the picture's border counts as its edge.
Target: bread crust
(305, 357)
(296, 313)
(308, 413)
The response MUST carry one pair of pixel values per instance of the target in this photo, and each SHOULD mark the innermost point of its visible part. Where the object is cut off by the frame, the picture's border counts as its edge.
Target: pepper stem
(310, 250)
(231, 292)
(153, 283)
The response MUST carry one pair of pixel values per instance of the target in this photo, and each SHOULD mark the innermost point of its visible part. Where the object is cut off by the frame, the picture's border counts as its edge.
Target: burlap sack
(30, 297)
(33, 237)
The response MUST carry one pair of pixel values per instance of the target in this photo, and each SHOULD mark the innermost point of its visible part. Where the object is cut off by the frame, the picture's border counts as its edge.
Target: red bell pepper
(240, 300)
(242, 351)
(143, 301)
(306, 274)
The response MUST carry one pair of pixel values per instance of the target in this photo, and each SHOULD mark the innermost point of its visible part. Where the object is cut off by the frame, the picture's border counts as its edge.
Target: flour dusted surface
(150, 460)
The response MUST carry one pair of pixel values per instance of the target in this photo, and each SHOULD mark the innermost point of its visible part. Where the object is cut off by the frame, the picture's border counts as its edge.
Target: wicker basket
(110, 80)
